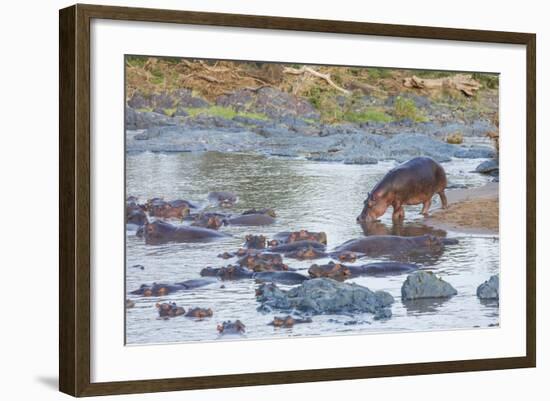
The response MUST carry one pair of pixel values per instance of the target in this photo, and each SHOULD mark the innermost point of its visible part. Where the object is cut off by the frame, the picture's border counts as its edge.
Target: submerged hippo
(161, 289)
(212, 221)
(252, 219)
(306, 253)
(287, 237)
(378, 245)
(135, 213)
(223, 198)
(229, 327)
(410, 183)
(159, 232)
(281, 277)
(288, 321)
(263, 262)
(200, 313)
(339, 271)
(229, 272)
(294, 246)
(267, 211)
(238, 272)
(255, 241)
(176, 209)
(169, 309)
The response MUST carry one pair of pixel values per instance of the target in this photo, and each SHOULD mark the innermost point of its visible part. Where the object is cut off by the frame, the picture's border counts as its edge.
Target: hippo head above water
(375, 206)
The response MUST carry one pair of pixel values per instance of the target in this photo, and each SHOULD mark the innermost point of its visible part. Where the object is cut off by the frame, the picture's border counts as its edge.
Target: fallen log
(461, 82)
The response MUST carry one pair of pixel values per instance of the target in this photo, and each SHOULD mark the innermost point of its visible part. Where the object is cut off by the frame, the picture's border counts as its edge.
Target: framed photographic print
(262, 200)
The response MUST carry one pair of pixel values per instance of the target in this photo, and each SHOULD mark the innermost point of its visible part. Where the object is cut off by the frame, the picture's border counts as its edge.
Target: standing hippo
(410, 183)
(159, 232)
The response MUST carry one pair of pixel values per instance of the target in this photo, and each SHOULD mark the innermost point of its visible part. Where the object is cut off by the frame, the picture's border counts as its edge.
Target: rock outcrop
(422, 284)
(325, 296)
(489, 289)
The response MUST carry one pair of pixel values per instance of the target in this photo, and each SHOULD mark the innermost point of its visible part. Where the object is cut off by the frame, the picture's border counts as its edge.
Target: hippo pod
(160, 289)
(287, 237)
(229, 327)
(410, 183)
(223, 198)
(339, 271)
(377, 245)
(294, 246)
(252, 219)
(159, 232)
(287, 321)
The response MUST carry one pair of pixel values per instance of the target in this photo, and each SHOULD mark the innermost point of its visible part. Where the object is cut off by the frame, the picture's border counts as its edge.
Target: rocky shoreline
(275, 123)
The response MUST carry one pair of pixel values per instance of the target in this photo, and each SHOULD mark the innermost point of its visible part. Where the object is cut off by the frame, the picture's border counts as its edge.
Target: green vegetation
(379, 73)
(489, 81)
(225, 112)
(406, 109)
(372, 114)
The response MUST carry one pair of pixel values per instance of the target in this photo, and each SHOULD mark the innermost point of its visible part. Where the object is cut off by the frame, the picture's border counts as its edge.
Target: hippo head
(333, 270)
(375, 206)
(156, 230)
(431, 241)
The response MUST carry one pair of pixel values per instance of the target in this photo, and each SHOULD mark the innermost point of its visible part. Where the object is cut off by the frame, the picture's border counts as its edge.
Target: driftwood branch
(461, 82)
(309, 70)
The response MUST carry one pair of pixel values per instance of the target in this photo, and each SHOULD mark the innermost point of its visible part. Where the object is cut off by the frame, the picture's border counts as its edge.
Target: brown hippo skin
(160, 232)
(410, 183)
(250, 219)
(378, 245)
(176, 209)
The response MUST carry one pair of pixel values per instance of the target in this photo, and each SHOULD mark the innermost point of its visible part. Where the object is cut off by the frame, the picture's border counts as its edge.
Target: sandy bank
(472, 210)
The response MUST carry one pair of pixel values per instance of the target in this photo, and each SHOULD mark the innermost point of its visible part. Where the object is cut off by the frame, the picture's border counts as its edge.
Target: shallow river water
(316, 196)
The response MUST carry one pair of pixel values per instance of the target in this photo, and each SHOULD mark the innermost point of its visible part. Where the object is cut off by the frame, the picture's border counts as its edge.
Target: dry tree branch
(325, 77)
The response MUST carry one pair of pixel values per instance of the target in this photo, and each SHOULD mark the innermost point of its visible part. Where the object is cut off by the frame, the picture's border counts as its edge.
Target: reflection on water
(405, 228)
(308, 195)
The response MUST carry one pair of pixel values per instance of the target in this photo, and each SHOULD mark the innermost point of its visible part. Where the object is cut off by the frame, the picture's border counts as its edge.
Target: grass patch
(379, 73)
(374, 115)
(170, 112)
(406, 109)
(224, 112)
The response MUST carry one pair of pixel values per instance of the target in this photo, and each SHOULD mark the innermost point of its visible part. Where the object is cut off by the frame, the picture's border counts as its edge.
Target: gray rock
(403, 147)
(180, 112)
(488, 167)
(136, 120)
(424, 284)
(361, 160)
(325, 296)
(185, 98)
(272, 102)
(475, 152)
(489, 289)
